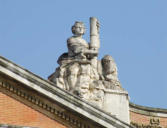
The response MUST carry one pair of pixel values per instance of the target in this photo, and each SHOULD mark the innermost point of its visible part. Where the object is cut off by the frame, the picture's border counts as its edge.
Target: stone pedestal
(116, 102)
(82, 74)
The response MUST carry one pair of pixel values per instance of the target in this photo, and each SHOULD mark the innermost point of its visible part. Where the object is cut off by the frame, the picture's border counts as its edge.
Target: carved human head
(78, 28)
(107, 58)
(108, 63)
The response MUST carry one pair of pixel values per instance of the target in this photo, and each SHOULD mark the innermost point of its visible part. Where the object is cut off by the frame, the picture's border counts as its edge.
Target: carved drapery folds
(80, 72)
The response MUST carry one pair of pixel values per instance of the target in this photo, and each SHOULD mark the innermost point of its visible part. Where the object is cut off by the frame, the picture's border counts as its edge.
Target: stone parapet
(149, 111)
(142, 116)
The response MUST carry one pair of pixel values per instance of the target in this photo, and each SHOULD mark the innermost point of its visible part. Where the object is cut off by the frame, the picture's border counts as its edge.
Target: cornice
(14, 126)
(74, 105)
(149, 111)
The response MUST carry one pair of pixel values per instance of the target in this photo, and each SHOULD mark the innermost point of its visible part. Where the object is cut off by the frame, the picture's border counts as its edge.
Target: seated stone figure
(77, 46)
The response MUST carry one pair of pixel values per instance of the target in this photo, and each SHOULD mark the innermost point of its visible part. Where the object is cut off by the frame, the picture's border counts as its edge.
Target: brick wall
(143, 119)
(16, 113)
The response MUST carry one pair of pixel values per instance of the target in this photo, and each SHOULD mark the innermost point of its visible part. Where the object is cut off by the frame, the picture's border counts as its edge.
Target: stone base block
(116, 102)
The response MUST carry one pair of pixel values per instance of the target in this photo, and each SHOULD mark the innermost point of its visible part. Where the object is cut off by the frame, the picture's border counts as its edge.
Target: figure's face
(79, 29)
(108, 66)
(107, 63)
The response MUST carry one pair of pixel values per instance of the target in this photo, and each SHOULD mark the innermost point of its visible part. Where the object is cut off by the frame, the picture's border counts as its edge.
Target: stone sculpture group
(80, 72)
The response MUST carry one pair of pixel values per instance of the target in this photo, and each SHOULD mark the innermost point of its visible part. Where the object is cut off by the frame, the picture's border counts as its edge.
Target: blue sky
(33, 35)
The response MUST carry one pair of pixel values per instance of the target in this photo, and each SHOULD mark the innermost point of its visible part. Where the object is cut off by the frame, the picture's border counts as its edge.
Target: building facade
(83, 92)
(28, 101)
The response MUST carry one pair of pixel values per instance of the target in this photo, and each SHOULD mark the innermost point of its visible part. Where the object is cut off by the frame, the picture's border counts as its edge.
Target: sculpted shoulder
(77, 41)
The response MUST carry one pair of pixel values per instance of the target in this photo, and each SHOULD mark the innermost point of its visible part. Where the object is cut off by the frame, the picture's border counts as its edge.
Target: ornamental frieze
(154, 123)
(52, 111)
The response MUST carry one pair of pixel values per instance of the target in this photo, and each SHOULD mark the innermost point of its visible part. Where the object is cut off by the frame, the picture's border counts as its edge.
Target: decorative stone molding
(40, 103)
(154, 123)
(148, 111)
(19, 83)
(14, 126)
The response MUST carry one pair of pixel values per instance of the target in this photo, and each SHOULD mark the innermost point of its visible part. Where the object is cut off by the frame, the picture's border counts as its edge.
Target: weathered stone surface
(13, 126)
(77, 111)
(81, 73)
(116, 102)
